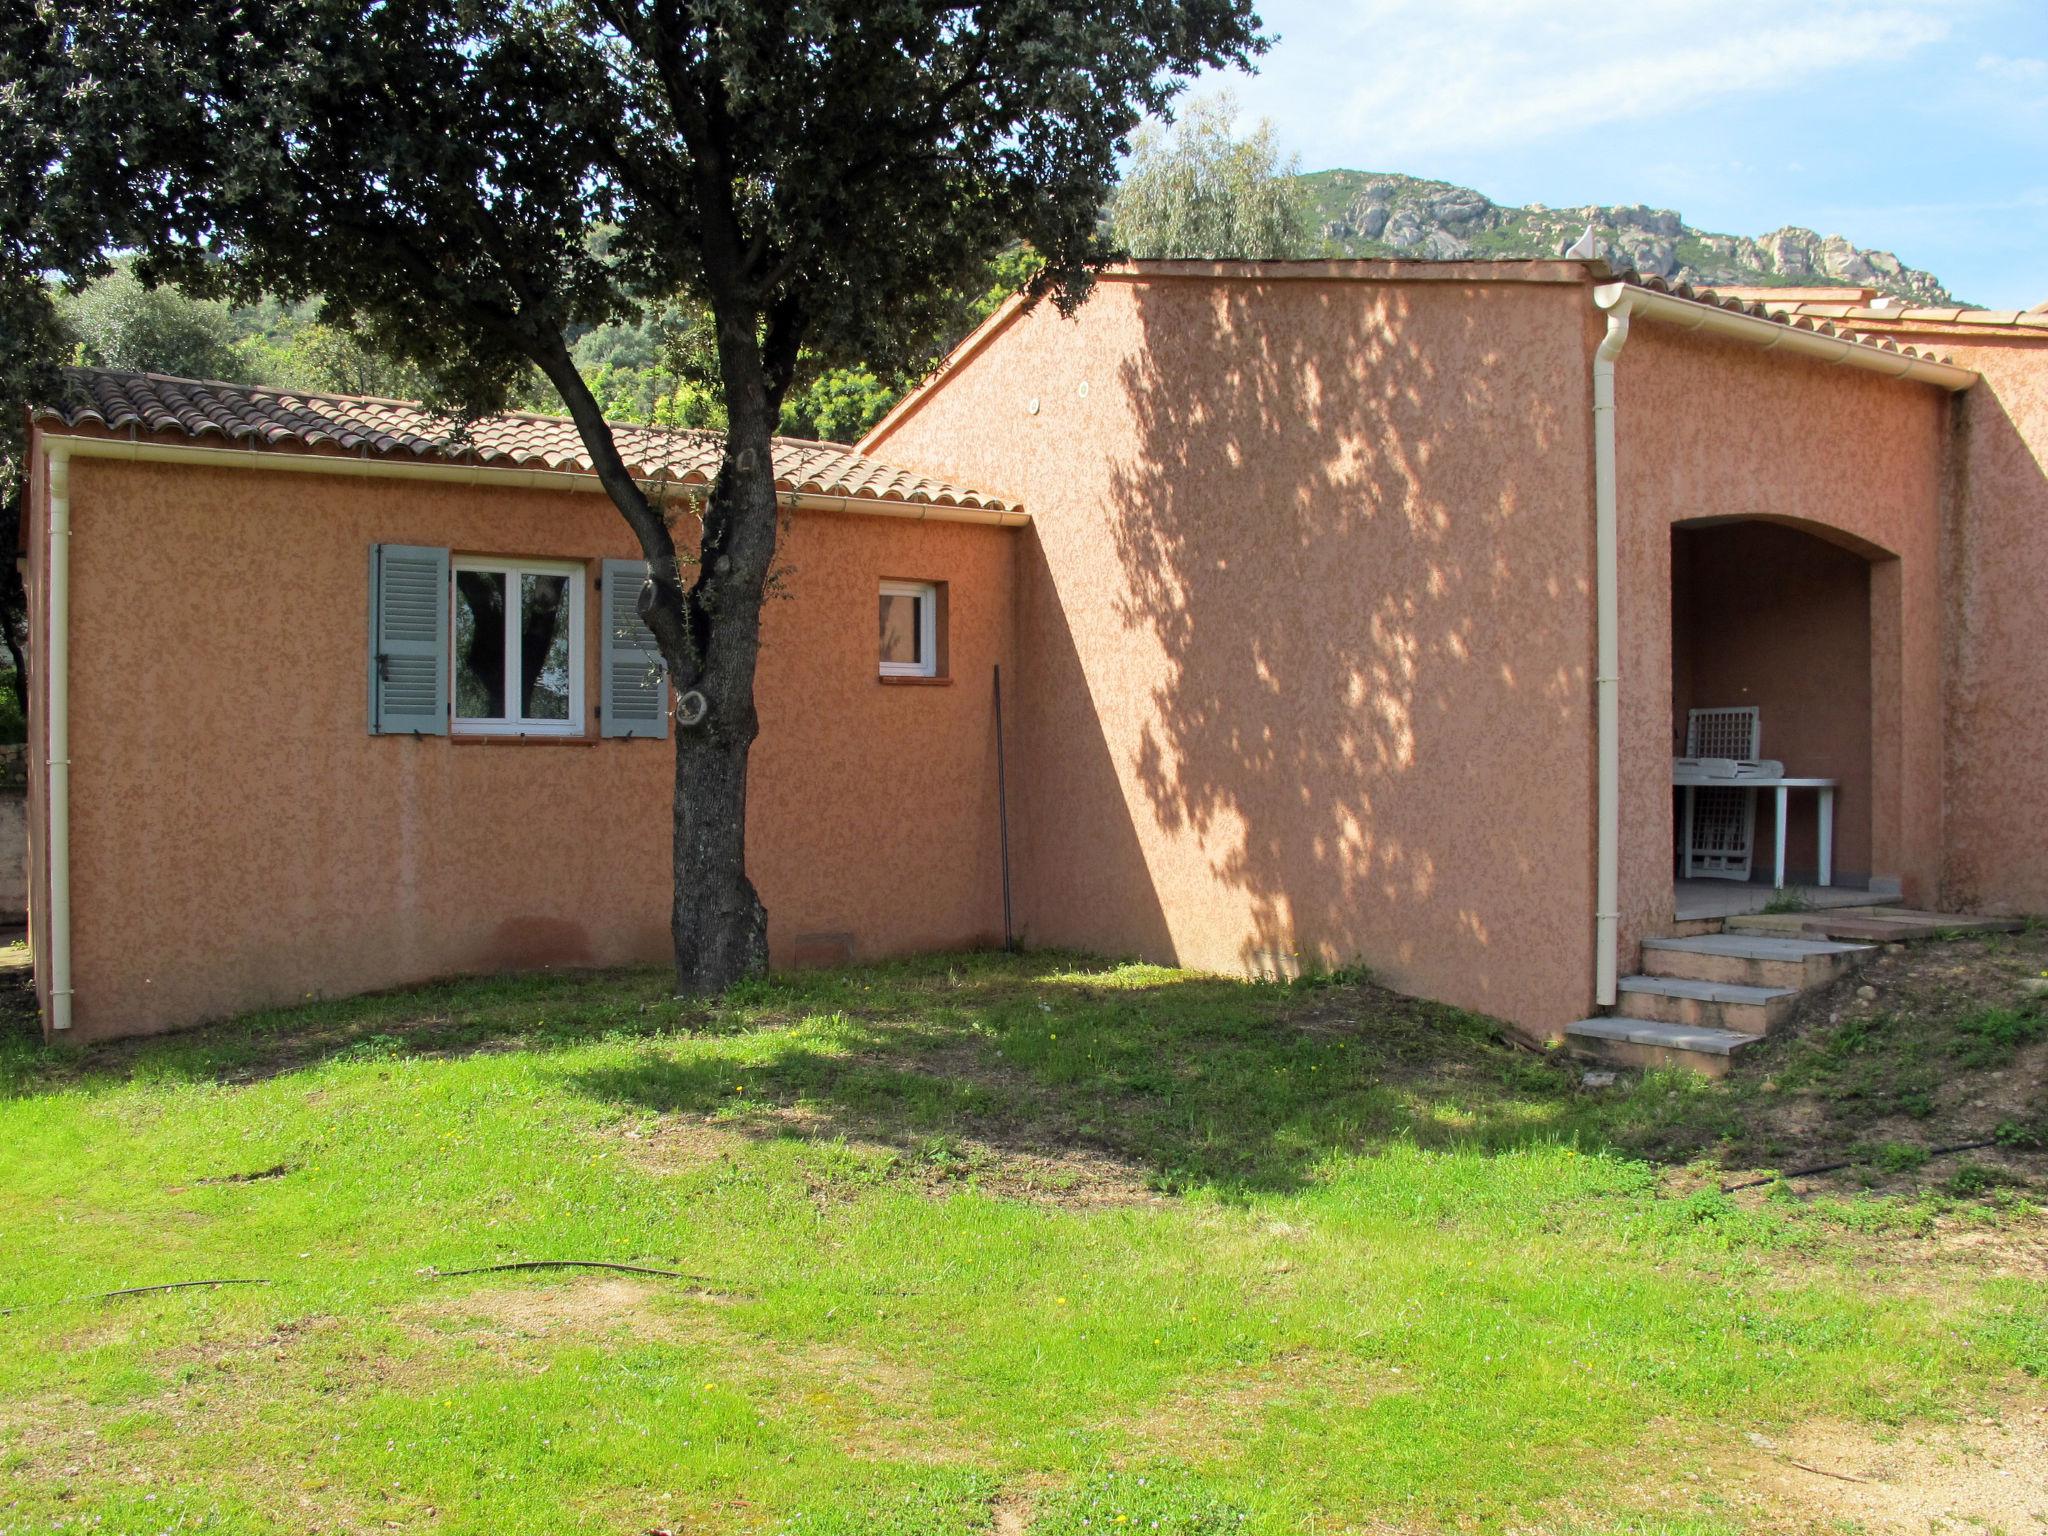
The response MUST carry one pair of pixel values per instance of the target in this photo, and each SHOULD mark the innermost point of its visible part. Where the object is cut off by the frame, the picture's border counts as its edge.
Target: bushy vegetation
(653, 370)
(1199, 190)
(13, 723)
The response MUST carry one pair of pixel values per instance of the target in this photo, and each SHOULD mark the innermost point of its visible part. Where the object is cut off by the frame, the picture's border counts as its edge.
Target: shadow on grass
(1178, 1080)
(1175, 1078)
(1057, 1068)
(546, 1010)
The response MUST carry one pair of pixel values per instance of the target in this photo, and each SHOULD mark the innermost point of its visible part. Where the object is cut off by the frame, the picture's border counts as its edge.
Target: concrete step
(1894, 925)
(1752, 960)
(1690, 927)
(1877, 925)
(1775, 925)
(1706, 1004)
(1958, 922)
(1654, 1043)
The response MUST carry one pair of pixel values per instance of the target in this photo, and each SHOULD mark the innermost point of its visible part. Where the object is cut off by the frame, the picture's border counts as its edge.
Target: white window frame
(927, 595)
(512, 570)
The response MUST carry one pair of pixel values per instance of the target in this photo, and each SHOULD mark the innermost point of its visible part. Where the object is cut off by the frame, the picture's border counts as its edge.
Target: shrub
(2026, 1135)
(1900, 1157)
(1974, 1179)
(1992, 1035)
(1917, 1102)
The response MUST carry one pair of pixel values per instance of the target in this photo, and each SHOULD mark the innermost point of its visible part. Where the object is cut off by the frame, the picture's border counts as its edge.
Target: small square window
(910, 629)
(518, 647)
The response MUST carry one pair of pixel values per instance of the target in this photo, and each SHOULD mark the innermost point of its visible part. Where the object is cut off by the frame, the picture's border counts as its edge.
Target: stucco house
(1346, 611)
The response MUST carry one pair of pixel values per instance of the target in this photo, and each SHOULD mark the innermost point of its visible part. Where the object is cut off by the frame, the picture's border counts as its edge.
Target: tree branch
(780, 347)
(666, 615)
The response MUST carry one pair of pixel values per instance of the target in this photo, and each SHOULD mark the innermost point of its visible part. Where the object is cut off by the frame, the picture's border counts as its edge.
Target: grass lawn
(974, 1244)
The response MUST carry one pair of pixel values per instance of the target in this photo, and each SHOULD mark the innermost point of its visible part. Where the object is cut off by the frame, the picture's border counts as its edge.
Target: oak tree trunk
(719, 925)
(710, 635)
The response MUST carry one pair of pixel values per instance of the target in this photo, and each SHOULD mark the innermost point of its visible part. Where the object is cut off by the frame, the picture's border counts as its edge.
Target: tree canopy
(1195, 189)
(116, 322)
(655, 367)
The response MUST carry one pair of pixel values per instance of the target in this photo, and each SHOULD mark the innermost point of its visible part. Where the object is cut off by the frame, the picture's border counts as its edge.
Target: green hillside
(1374, 213)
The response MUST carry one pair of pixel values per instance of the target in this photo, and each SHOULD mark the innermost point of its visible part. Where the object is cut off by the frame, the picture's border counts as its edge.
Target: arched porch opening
(1777, 615)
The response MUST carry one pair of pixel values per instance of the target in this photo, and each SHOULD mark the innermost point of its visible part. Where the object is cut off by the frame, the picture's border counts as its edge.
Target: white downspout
(1607, 678)
(57, 675)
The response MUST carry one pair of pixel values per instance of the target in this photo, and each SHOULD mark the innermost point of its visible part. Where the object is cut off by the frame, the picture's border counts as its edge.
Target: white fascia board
(1778, 336)
(364, 466)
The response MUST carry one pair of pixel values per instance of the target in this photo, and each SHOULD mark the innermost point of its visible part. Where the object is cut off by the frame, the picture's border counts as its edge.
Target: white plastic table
(1784, 786)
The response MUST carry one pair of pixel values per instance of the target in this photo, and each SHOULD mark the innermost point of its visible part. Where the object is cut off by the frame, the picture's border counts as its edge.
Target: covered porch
(1773, 683)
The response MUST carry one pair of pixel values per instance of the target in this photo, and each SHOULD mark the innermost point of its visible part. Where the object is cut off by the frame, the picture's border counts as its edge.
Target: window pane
(544, 647)
(479, 645)
(900, 630)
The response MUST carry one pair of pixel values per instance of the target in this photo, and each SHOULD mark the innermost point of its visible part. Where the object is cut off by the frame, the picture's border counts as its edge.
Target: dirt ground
(1925, 1068)
(1988, 1475)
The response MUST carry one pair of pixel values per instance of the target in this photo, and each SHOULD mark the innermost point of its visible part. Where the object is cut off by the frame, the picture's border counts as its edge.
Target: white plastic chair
(1720, 823)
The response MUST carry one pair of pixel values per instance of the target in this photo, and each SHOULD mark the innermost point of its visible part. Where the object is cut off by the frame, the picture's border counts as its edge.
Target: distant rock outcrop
(1365, 213)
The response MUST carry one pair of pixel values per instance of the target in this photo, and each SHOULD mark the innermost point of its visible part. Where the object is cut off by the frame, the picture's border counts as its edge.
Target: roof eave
(99, 444)
(1824, 345)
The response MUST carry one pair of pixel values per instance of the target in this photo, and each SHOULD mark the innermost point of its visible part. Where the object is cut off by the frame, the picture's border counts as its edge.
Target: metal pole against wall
(1003, 815)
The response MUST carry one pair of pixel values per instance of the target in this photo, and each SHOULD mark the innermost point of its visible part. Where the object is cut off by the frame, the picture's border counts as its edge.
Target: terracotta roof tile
(1912, 315)
(1781, 293)
(1814, 317)
(257, 417)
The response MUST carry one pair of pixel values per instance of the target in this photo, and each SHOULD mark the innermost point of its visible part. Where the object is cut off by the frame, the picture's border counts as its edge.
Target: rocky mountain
(1368, 213)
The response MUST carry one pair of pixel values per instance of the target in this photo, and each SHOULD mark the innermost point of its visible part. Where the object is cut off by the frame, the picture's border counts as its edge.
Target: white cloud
(1437, 77)
(2020, 71)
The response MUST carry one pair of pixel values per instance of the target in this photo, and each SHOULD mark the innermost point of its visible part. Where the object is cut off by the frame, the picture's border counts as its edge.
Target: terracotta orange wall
(1776, 618)
(1709, 428)
(1994, 615)
(1304, 639)
(240, 840)
(1996, 566)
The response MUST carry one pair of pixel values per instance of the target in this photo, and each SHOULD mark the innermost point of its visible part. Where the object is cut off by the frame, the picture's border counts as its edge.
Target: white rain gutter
(1778, 335)
(1607, 668)
(1623, 301)
(57, 735)
(486, 474)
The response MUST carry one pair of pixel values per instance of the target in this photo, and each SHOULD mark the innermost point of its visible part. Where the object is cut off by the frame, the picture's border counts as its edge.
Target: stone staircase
(1704, 996)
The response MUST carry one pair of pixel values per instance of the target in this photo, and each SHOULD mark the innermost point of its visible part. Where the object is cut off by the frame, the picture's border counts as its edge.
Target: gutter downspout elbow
(57, 736)
(1607, 671)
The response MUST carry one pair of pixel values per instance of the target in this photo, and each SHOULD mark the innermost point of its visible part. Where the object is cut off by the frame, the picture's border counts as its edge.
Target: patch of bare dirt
(1033, 1167)
(873, 1403)
(1073, 1178)
(1982, 1476)
(589, 1307)
(1889, 1066)
(1010, 1514)
(2014, 1249)
(1215, 1416)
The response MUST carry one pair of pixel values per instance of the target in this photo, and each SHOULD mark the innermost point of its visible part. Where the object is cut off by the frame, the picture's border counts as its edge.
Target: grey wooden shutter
(408, 640)
(633, 699)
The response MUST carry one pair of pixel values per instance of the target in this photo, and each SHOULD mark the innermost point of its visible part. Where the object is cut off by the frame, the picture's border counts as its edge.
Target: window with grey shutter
(408, 640)
(634, 698)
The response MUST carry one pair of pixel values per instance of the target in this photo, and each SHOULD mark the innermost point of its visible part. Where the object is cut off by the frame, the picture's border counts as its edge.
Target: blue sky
(1914, 126)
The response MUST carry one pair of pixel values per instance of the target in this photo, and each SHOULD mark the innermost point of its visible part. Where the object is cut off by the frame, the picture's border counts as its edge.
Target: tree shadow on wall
(1343, 529)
